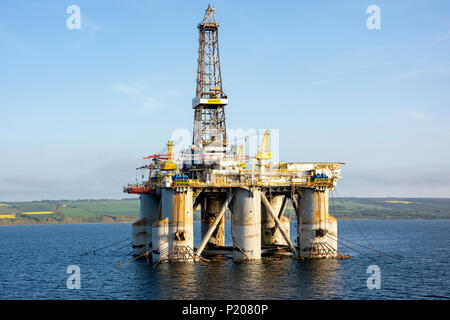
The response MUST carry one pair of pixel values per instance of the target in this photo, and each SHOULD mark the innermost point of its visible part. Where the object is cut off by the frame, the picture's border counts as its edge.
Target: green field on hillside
(109, 207)
(387, 208)
(390, 208)
(128, 209)
(79, 208)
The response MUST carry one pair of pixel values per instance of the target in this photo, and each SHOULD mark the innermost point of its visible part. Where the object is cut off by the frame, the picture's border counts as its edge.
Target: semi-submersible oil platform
(213, 176)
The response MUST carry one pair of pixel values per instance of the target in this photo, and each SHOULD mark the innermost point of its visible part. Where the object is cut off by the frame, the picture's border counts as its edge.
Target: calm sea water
(34, 261)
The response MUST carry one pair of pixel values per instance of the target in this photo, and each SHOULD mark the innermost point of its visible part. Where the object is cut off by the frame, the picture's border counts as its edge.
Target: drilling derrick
(213, 177)
(210, 100)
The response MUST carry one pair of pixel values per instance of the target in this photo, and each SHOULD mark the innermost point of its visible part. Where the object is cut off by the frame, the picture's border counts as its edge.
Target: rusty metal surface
(181, 229)
(268, 226)
(269, 208)
(246, 224)
(315, 226)
(278, 236)
(139, 237)
(160, 240)
(214, 225)
(210, 209)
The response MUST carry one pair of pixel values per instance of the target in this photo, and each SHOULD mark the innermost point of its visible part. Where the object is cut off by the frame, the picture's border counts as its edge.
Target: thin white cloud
(127, 89)
(145, 103)
(417, 72)
(416, 115)
(149, 104)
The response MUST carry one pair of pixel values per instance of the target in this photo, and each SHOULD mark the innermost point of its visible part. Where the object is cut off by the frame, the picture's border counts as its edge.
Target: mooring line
(239, 248)
(234, 242)
(141, 255)
(94, 251)
(352, 248)
(351, 218)
(123, 247)
(375, 250)
(347, 213)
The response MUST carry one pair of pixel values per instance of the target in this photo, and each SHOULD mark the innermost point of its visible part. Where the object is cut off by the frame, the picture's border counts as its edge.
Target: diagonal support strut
(283, 232)
(214, 225)
(282, 209)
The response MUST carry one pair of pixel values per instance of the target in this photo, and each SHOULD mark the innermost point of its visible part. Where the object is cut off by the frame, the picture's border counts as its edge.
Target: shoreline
(131, 221)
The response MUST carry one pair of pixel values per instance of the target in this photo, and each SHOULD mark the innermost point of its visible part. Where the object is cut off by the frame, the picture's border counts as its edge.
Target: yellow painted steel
(241, 157)
(169, 165)
(264, 151)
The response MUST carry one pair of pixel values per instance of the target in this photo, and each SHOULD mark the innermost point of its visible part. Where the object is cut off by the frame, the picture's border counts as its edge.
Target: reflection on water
(265, 279)
(319, 278)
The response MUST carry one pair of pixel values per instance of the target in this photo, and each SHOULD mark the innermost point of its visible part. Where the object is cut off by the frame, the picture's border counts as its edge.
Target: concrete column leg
(246, 224)
(315, 225)
(160, 240)
(139, 237)
(149, 210)
(177, 207)
(309, 220)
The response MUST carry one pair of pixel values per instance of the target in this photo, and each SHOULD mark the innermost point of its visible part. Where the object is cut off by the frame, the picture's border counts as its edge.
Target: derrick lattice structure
(210, 100)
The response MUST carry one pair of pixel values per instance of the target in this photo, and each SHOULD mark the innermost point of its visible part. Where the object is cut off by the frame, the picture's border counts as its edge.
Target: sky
(80, 108)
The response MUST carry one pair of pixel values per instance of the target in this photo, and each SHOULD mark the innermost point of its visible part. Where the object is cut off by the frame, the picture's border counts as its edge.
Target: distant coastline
(68, 211)
(127, 210)
(67, 220)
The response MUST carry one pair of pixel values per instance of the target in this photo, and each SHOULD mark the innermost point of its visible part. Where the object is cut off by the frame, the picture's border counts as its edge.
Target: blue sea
(413, 259)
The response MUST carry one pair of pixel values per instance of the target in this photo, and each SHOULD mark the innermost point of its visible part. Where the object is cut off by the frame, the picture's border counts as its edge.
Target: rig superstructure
(214, 176)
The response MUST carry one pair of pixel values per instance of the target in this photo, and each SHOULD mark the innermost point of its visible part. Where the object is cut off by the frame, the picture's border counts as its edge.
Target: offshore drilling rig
(216, 177)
